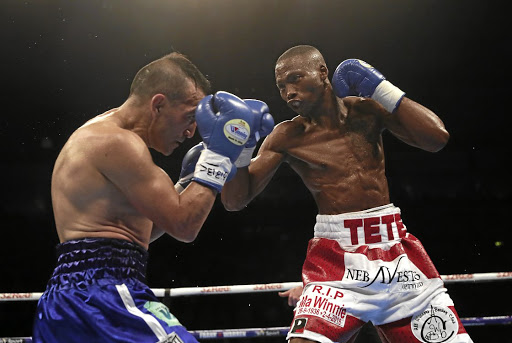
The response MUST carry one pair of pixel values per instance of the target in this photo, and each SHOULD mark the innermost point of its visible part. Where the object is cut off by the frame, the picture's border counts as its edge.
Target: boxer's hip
(369, 250)
(376, 225)
(98, 260)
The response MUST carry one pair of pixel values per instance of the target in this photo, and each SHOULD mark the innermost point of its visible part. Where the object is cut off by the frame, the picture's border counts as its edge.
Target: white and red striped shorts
(364, 266)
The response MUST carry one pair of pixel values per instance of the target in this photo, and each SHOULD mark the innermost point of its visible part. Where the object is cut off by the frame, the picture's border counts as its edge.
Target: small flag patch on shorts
(161, 311)
(299, 325)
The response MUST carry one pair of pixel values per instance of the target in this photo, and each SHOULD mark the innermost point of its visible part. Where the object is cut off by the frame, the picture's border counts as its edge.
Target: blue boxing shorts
(97, 293)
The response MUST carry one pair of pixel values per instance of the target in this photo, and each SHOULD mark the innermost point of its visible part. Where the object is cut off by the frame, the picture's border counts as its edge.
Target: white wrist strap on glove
(212, 169)
(245, 157)
(388, 95)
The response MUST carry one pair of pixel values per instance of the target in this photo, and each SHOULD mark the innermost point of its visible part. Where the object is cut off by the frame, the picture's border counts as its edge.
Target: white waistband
(376, 225)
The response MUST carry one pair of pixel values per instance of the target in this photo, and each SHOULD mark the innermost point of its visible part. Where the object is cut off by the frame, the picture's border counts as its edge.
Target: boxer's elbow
(438, 141)
(187, 236)
(186, 233)
(232, 204)
(233, 207)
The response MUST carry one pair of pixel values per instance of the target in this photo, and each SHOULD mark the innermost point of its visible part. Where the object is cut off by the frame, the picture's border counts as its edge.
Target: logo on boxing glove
(237, 131)
(365, 64)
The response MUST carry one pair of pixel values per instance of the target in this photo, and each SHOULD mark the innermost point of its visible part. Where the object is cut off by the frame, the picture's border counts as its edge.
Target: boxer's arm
(126, 162)
(411, 122)
(252, 180)
(416, 125)
(156, 232)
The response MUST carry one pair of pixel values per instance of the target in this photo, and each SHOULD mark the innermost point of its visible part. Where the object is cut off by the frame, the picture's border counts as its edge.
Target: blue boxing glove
(263, 124)
(224, 122)
(188, 166)
(356, 77)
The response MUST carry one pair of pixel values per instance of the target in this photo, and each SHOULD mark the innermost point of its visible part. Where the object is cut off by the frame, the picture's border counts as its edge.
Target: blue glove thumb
(263, 123)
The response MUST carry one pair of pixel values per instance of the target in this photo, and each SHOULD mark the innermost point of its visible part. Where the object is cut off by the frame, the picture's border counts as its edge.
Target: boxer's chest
(336, 149)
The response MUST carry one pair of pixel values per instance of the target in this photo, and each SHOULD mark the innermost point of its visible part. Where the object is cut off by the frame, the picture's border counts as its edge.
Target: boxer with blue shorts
(110, 201)
(100, 283)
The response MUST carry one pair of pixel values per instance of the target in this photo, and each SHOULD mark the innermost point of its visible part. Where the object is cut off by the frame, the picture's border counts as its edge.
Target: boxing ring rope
(273, 287)
(283, 330)
(256, 288)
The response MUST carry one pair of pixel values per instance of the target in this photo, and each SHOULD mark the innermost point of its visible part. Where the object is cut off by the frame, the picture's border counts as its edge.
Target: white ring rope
(272, 287)
(269, 287)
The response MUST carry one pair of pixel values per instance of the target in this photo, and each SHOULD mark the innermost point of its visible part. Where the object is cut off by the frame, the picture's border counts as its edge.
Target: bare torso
(85, 202)
(341, 165)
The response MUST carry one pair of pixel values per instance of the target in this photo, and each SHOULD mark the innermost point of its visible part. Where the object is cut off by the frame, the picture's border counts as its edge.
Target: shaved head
(305, 55)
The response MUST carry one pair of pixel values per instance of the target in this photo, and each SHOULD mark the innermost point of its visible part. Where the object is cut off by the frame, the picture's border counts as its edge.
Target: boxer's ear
(324, 73)
(157, 102)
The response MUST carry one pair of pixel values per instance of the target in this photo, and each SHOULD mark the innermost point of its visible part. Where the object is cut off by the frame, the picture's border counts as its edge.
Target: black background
(62, 62)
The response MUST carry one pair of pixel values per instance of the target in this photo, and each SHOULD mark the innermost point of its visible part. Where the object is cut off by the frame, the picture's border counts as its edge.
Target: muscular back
(86, 203)
(343, 164)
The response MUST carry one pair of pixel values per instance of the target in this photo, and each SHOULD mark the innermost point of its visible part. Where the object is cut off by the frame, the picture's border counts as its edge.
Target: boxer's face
(175, 120)
(300, 85)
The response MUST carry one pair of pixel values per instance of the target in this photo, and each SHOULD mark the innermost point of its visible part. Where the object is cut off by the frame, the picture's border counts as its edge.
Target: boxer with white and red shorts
(362, 265)
(365, 266)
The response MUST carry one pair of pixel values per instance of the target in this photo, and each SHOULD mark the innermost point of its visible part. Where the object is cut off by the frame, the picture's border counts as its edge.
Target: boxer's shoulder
(286, 134)
(291, 128)
(103, 145)
(105, 135)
